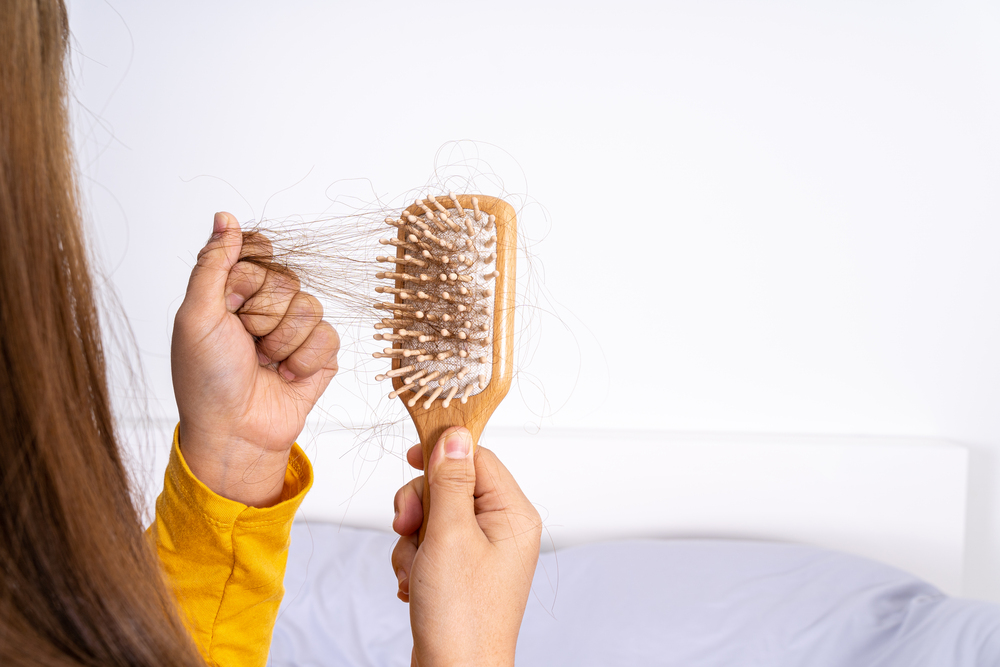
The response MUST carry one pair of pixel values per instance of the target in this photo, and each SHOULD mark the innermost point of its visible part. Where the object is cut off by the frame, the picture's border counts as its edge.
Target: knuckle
(201, 254)
(452, 481)
(311, 306)
(327, 337)
(536, 524)
(288, 280)
(397, 500)
(536, 518)
(246, 272)
(257, 246)
(395, 556)
(414, 490)
(257, 324)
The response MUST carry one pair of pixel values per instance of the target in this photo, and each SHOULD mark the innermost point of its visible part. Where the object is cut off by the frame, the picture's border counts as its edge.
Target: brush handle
(431, 424)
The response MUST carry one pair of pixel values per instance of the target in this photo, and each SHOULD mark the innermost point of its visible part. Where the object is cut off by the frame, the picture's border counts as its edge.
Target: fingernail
(219, 223)
(400, 577)
(287, 374)
(234, 301)
(262, 358)
(458, 445)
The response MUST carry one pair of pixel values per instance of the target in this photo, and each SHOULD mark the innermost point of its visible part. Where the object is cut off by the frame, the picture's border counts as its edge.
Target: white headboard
(899, 501)
(895, 500)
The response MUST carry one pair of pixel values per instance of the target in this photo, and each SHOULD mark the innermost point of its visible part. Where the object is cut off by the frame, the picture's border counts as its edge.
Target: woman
(79, 581)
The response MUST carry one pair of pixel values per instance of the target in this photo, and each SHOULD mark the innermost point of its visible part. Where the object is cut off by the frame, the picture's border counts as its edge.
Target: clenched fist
(250, 356)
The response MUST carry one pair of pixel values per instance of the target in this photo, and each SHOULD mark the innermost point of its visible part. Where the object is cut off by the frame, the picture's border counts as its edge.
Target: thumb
(207, 285)
(451, 481)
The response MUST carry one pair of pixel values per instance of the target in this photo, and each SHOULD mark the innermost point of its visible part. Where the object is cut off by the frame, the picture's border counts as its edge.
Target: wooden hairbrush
(452, 318)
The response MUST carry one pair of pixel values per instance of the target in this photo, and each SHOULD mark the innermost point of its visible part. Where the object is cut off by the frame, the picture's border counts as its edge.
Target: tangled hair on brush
(79, 583)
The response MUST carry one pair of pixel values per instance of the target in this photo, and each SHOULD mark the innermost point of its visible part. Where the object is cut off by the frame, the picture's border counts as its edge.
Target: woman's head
(78, 583)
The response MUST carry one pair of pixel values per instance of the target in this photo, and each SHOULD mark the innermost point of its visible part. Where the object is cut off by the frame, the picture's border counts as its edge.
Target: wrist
(233, 467)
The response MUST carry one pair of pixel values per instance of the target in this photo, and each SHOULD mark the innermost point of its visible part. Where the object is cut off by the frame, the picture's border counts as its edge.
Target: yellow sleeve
(225, 561)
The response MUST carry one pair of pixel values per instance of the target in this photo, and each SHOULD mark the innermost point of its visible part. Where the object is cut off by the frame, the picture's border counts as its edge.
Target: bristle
(393, 322)
(397, 352)
(392, 275)
(397, 392)
(451, 395)
(458, 207)
(400, 244)
(427, 378)
(405, 259)
(416, 397)
(430, 399)
(444, 215)
(416, 376)
(382, 289)
(437, 205)
(397, 321)
(429, 214)
(446, 305)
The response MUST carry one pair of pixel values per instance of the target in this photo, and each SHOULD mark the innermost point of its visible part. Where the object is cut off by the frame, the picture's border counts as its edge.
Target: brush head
(450, 318)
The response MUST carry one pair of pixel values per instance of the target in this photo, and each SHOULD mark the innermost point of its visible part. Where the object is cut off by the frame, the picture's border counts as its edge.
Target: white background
(762, 217)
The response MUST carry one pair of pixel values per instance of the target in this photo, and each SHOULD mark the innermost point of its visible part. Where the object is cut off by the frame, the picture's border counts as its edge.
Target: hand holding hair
(468, 581)
(250, 356)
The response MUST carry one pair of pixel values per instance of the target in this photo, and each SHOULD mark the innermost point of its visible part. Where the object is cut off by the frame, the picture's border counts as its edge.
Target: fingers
(409, 516)
(409, 507)
(317, 352)
(264, 310)
(245, 280)
(247, 275)
(207, 286)
(415, 457)
(402, 562)
(503, 510)
(451, 479)
(303, 314)
(496, 488)
(257, 248)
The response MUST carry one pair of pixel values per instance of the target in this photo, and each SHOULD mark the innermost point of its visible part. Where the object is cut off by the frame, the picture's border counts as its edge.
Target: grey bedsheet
(689, 603)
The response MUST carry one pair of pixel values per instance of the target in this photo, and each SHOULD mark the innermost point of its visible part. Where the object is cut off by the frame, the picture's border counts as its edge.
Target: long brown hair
(79, 584)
